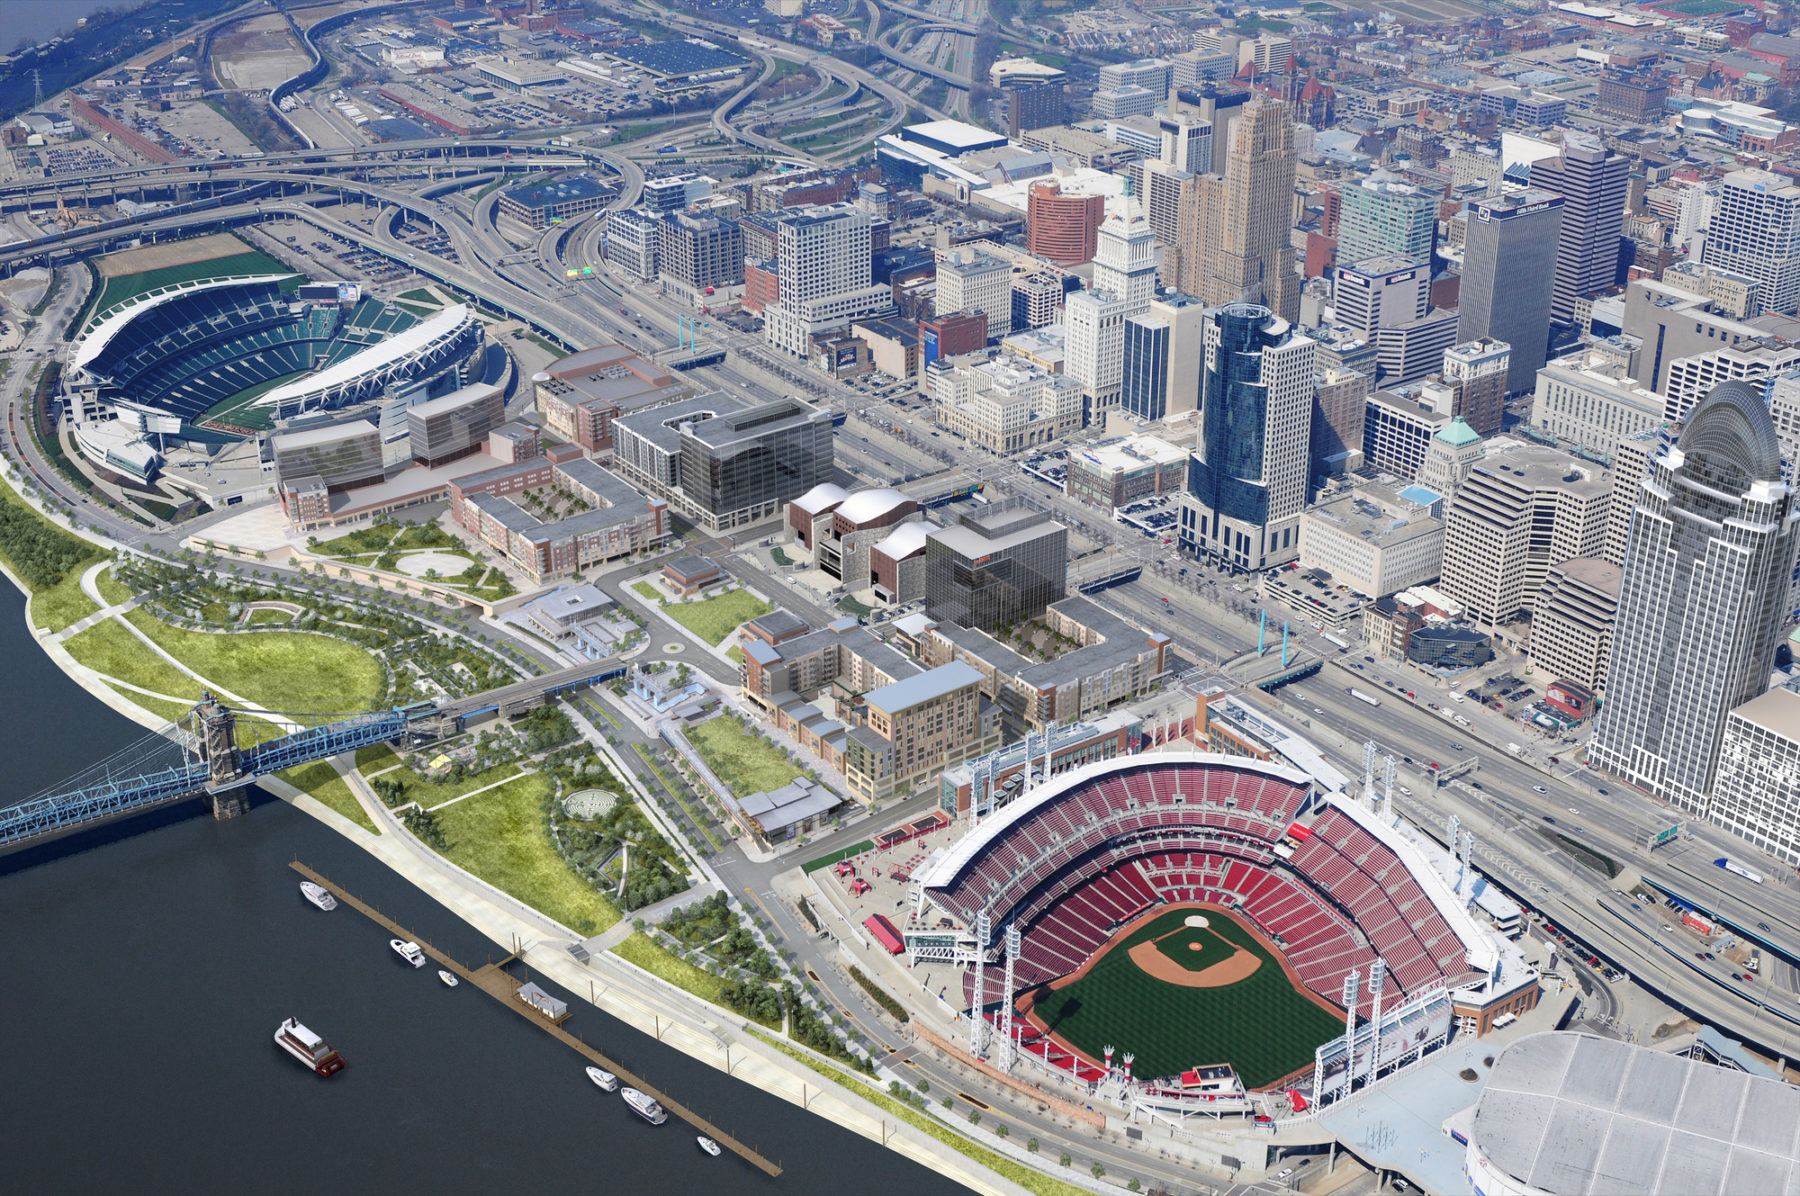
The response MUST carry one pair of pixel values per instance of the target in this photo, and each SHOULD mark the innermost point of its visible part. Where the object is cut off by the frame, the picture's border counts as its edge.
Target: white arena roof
(95, 340)
(376, 359)
(1576, 1114)
(865, 505)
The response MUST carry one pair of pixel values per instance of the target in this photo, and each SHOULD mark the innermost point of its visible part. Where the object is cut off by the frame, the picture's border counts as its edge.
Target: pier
(503, 986)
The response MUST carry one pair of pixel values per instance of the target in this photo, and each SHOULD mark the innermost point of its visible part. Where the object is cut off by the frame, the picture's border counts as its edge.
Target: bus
(1360, 696)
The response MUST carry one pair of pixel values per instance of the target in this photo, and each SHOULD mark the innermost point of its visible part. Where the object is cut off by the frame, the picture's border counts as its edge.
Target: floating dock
(503, 986)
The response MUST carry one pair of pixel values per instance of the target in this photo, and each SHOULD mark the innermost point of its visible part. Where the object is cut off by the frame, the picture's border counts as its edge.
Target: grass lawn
(322, 781)
(112, 589)
(63, 604)
(654, 958)
(735, 654)
(712, 619)
(1260, 1024)
(57, 604)
(646, 590)
(499, 836)
(825, 861)
(376, 758)
(268, 615)
(745, 761)
(277, 670)
(111, 649)
(173, 712)
(433, 793)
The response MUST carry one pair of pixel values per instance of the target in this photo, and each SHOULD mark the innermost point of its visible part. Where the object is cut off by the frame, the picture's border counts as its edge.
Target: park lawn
(653, 957)
(738, 756)
(735, 654)
(110, 649)
(277, 670)
(268, 615)
(434, 793)
(1259, 1024)
(375, 758)
(112, 589)
(173, 712)
(647, 590)
(322, 781)
(63, 604)
(712, 619)
(499, 836)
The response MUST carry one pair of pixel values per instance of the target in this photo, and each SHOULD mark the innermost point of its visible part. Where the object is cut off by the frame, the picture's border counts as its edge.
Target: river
(150, 962)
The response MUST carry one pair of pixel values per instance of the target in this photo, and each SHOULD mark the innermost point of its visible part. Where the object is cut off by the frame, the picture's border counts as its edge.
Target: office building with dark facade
(995, 567)
(454, 426)
(1509, 277)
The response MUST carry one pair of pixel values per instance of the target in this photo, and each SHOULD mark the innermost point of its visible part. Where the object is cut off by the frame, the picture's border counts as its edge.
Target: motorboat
(318, 895)
(449, 980)
(308, 1047)
(603, 1079)
(645, 1106)
(708, 1145)
(408, 951)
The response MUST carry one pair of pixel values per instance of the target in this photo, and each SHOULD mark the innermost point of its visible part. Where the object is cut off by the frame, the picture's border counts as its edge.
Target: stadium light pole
(1352, 982)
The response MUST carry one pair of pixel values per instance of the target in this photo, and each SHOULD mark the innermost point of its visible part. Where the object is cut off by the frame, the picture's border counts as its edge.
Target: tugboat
(317, 895)
(604, 1080)
(408, 951)
(449, 980)
(308, 1047)
(708, 1145)
(645, 1106)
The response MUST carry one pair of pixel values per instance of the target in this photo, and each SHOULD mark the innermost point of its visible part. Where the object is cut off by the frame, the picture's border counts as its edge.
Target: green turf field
(1700, 8)
(1260, 1024)
(115, 291)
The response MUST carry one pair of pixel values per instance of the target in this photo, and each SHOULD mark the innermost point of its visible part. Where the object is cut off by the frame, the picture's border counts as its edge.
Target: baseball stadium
(1203, 914)
(230, 344)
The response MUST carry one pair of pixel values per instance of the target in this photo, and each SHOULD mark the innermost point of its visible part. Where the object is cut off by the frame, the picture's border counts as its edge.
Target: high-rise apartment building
(1707, 565)
(1591, 179)
(1340, 407)
(697, 252)
(1384, 216)
(824, 266)
(1235, 243)
(1034, 101)
(1152, 74)
(1062, 228)
(1509, 277)
(1162, 358)
(905, 734)
(1756, 233)
(969, 280)
(633, 239)
(1247, 482)
(1520, 512)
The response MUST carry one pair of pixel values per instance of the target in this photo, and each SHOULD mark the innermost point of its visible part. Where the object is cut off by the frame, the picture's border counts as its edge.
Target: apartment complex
(903, 735)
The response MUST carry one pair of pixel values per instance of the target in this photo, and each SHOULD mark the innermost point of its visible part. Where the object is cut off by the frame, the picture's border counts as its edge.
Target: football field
(1190, 987)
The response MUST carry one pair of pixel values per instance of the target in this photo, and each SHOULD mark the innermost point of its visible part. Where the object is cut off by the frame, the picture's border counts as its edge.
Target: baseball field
(1184, 987)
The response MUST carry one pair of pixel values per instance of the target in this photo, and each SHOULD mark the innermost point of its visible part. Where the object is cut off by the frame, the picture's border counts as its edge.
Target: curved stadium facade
(235, 354)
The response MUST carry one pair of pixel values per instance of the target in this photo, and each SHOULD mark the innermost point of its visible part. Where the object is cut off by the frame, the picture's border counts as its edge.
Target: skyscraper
(1247, 482)
(1061, 227)
(1125, 257)
(1756, 233)
(1591, 179)
(1707, 562)
(1162, 358)
(1094, 347)
(1509, 277)
(1235, 243)
(1386, 216)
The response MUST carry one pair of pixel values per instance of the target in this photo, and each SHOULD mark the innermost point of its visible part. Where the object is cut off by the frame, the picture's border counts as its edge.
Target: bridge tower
(215, 728)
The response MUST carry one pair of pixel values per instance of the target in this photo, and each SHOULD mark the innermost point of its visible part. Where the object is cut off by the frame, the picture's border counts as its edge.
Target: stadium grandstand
(1097, 857)
(237, 353)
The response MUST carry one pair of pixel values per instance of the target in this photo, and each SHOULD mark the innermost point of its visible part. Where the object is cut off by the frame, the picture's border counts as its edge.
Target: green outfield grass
(1261, 1025)
(115, 291)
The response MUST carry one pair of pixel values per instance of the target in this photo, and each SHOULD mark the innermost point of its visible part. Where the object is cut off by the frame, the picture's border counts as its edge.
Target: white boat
(708, 1145)
(308, 1047)
(409, 952)
(449, 980)
(317, 895)
(604, 1080)
(644, 1106)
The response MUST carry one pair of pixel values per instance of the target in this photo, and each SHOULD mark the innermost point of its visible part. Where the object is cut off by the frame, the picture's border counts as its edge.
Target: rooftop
(1777, 711)
(1573, 1113)
(558, 190)
(914, 691)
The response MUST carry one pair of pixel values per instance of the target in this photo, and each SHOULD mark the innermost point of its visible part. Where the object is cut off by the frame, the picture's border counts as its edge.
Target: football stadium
(232, 344)
(1212, 920)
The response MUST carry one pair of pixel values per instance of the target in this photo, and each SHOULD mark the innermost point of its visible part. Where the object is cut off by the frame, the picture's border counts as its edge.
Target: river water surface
(147, 965)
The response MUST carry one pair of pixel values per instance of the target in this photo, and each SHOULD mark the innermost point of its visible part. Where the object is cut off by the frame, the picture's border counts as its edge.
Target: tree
(1065, 1158)
(1032, 1145)
(974, 1116)
(1098, 1170)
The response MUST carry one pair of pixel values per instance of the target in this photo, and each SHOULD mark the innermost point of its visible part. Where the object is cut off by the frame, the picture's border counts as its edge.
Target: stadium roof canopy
(1574, 1113)
(98, 337)
(377, 362)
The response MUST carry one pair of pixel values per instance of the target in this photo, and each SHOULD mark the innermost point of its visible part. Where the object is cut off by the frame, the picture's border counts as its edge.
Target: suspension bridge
(215, 755)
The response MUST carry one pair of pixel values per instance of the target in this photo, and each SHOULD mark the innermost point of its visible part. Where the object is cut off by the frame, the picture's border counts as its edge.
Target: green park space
(112, 589)
(430, 794)
(712, 619)
(653, 957)
(647, 591)
(279, 670)
(172, 712)
(375, 758)
(47, 560)
(742, 759)
(110, 648)
(499, 836)
(322, 781)
(1260, 1024)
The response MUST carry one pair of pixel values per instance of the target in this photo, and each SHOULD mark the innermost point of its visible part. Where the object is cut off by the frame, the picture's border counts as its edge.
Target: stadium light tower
(1377, 981)
(1369, 754)
(1388, 769)
(982, 929)
(1352, 983)
(1007, 1051)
